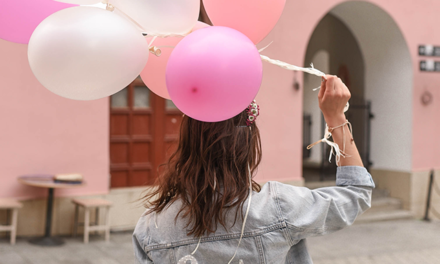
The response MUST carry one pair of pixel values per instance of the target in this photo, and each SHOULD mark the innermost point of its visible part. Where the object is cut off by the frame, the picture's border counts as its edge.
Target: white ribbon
(165, 35)
(247, 212)
(333, 146)
(260, 50)
(291, 67)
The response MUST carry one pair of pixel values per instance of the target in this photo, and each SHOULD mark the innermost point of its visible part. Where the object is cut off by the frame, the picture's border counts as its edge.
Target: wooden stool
(13, 205)
(89, 204)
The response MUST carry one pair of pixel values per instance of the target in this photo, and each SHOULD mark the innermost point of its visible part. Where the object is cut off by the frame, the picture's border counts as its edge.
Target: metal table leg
(48, 240)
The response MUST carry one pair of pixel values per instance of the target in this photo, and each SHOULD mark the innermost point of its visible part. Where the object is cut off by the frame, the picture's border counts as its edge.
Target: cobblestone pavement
(406, 241)
(396, 242)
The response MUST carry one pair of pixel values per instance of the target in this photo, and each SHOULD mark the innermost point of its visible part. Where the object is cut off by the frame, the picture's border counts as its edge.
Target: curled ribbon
(334, 147)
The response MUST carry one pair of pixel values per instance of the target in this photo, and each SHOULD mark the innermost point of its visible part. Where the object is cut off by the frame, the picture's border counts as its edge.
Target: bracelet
(334, 146)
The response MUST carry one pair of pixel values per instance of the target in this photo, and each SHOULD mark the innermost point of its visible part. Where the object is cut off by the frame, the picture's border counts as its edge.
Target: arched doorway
(361, 43)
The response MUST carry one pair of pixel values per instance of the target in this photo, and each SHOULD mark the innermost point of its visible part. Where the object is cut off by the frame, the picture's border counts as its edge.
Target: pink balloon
(19, 18)
(153, 74)
(254, 18)
(214, 73)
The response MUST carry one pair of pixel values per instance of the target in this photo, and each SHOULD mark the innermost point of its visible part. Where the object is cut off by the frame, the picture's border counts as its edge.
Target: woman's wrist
(333, 121)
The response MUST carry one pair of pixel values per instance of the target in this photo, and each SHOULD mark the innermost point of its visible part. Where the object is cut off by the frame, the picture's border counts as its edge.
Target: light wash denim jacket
(280, 218)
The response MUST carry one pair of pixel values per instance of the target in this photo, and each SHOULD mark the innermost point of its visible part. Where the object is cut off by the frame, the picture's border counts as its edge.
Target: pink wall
(44, 133)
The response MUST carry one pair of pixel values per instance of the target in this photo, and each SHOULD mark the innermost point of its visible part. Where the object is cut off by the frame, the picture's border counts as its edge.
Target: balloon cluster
(83, 52)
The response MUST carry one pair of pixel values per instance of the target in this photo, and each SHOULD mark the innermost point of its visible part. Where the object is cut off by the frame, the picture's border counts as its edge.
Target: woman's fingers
(330, 89)
(345, 92)
(322, 89)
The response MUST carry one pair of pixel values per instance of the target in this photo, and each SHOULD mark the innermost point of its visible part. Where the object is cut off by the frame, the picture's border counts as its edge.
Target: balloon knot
(156, 51)
(110, 7)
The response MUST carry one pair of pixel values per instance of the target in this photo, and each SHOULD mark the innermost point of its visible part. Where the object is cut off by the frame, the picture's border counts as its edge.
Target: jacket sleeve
(317, 212)
(139, 237)
(140, 256)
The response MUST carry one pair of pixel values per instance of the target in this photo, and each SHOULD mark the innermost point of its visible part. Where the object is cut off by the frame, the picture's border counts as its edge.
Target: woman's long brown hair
(208, 172)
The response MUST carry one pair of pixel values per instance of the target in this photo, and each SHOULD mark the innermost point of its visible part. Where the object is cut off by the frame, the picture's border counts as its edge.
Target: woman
(203, 211)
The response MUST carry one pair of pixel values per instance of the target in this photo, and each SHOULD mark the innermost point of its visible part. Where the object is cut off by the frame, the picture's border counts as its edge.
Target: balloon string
(284, 65)
(151, 42)
(247, 212)
(291, 67)
(113, 8)
(166, 35)
(281, 64)
(260, 50)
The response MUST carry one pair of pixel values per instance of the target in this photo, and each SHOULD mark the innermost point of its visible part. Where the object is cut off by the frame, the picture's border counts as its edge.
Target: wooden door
(173, 119)
(143, 129)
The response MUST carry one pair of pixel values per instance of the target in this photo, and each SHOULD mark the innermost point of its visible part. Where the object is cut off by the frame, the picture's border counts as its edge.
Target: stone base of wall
(124, 214)
(410, 187)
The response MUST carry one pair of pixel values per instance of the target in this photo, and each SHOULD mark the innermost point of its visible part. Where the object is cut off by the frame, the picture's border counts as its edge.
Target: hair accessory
(253, 111)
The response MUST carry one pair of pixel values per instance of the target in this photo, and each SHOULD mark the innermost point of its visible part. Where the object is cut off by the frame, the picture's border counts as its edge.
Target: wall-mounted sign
(430, 66)
(429, 50)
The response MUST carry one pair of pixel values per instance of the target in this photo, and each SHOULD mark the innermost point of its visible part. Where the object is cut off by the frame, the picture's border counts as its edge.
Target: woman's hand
(333, 96)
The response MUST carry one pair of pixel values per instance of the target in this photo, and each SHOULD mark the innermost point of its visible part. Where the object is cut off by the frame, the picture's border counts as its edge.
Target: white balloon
(161, 16)
(80, 2)
(86, 53)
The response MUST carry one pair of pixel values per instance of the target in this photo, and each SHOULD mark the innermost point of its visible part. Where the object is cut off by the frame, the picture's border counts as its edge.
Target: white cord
(198, 244)
(151, 42)
(246, 215)
(291, 67)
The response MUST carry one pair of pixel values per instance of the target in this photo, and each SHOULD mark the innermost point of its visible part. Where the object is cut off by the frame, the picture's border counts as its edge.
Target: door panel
(119, 124)
(141, 124)
(173, 119)
(141, 177)
(170, 148)
(172, 123)
(119, 153)
(141, 152)
(119, 178)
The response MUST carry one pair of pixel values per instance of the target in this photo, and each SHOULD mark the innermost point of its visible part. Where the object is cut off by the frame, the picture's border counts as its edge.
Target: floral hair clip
(253, 111)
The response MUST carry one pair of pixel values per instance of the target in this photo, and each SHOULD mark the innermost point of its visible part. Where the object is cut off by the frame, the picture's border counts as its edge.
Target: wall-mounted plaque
(429, 50)
(430, 66)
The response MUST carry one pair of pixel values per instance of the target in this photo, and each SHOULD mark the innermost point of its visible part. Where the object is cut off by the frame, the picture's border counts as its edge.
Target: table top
(46, 181)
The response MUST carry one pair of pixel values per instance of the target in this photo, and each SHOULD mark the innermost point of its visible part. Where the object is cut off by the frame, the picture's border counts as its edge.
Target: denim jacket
(281, 217)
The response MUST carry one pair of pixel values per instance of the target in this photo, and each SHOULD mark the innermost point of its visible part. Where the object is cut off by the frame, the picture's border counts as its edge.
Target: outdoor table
(47, 181)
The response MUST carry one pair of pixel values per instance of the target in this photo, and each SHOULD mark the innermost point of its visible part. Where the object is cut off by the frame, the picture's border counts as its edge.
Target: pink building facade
(44, 133)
